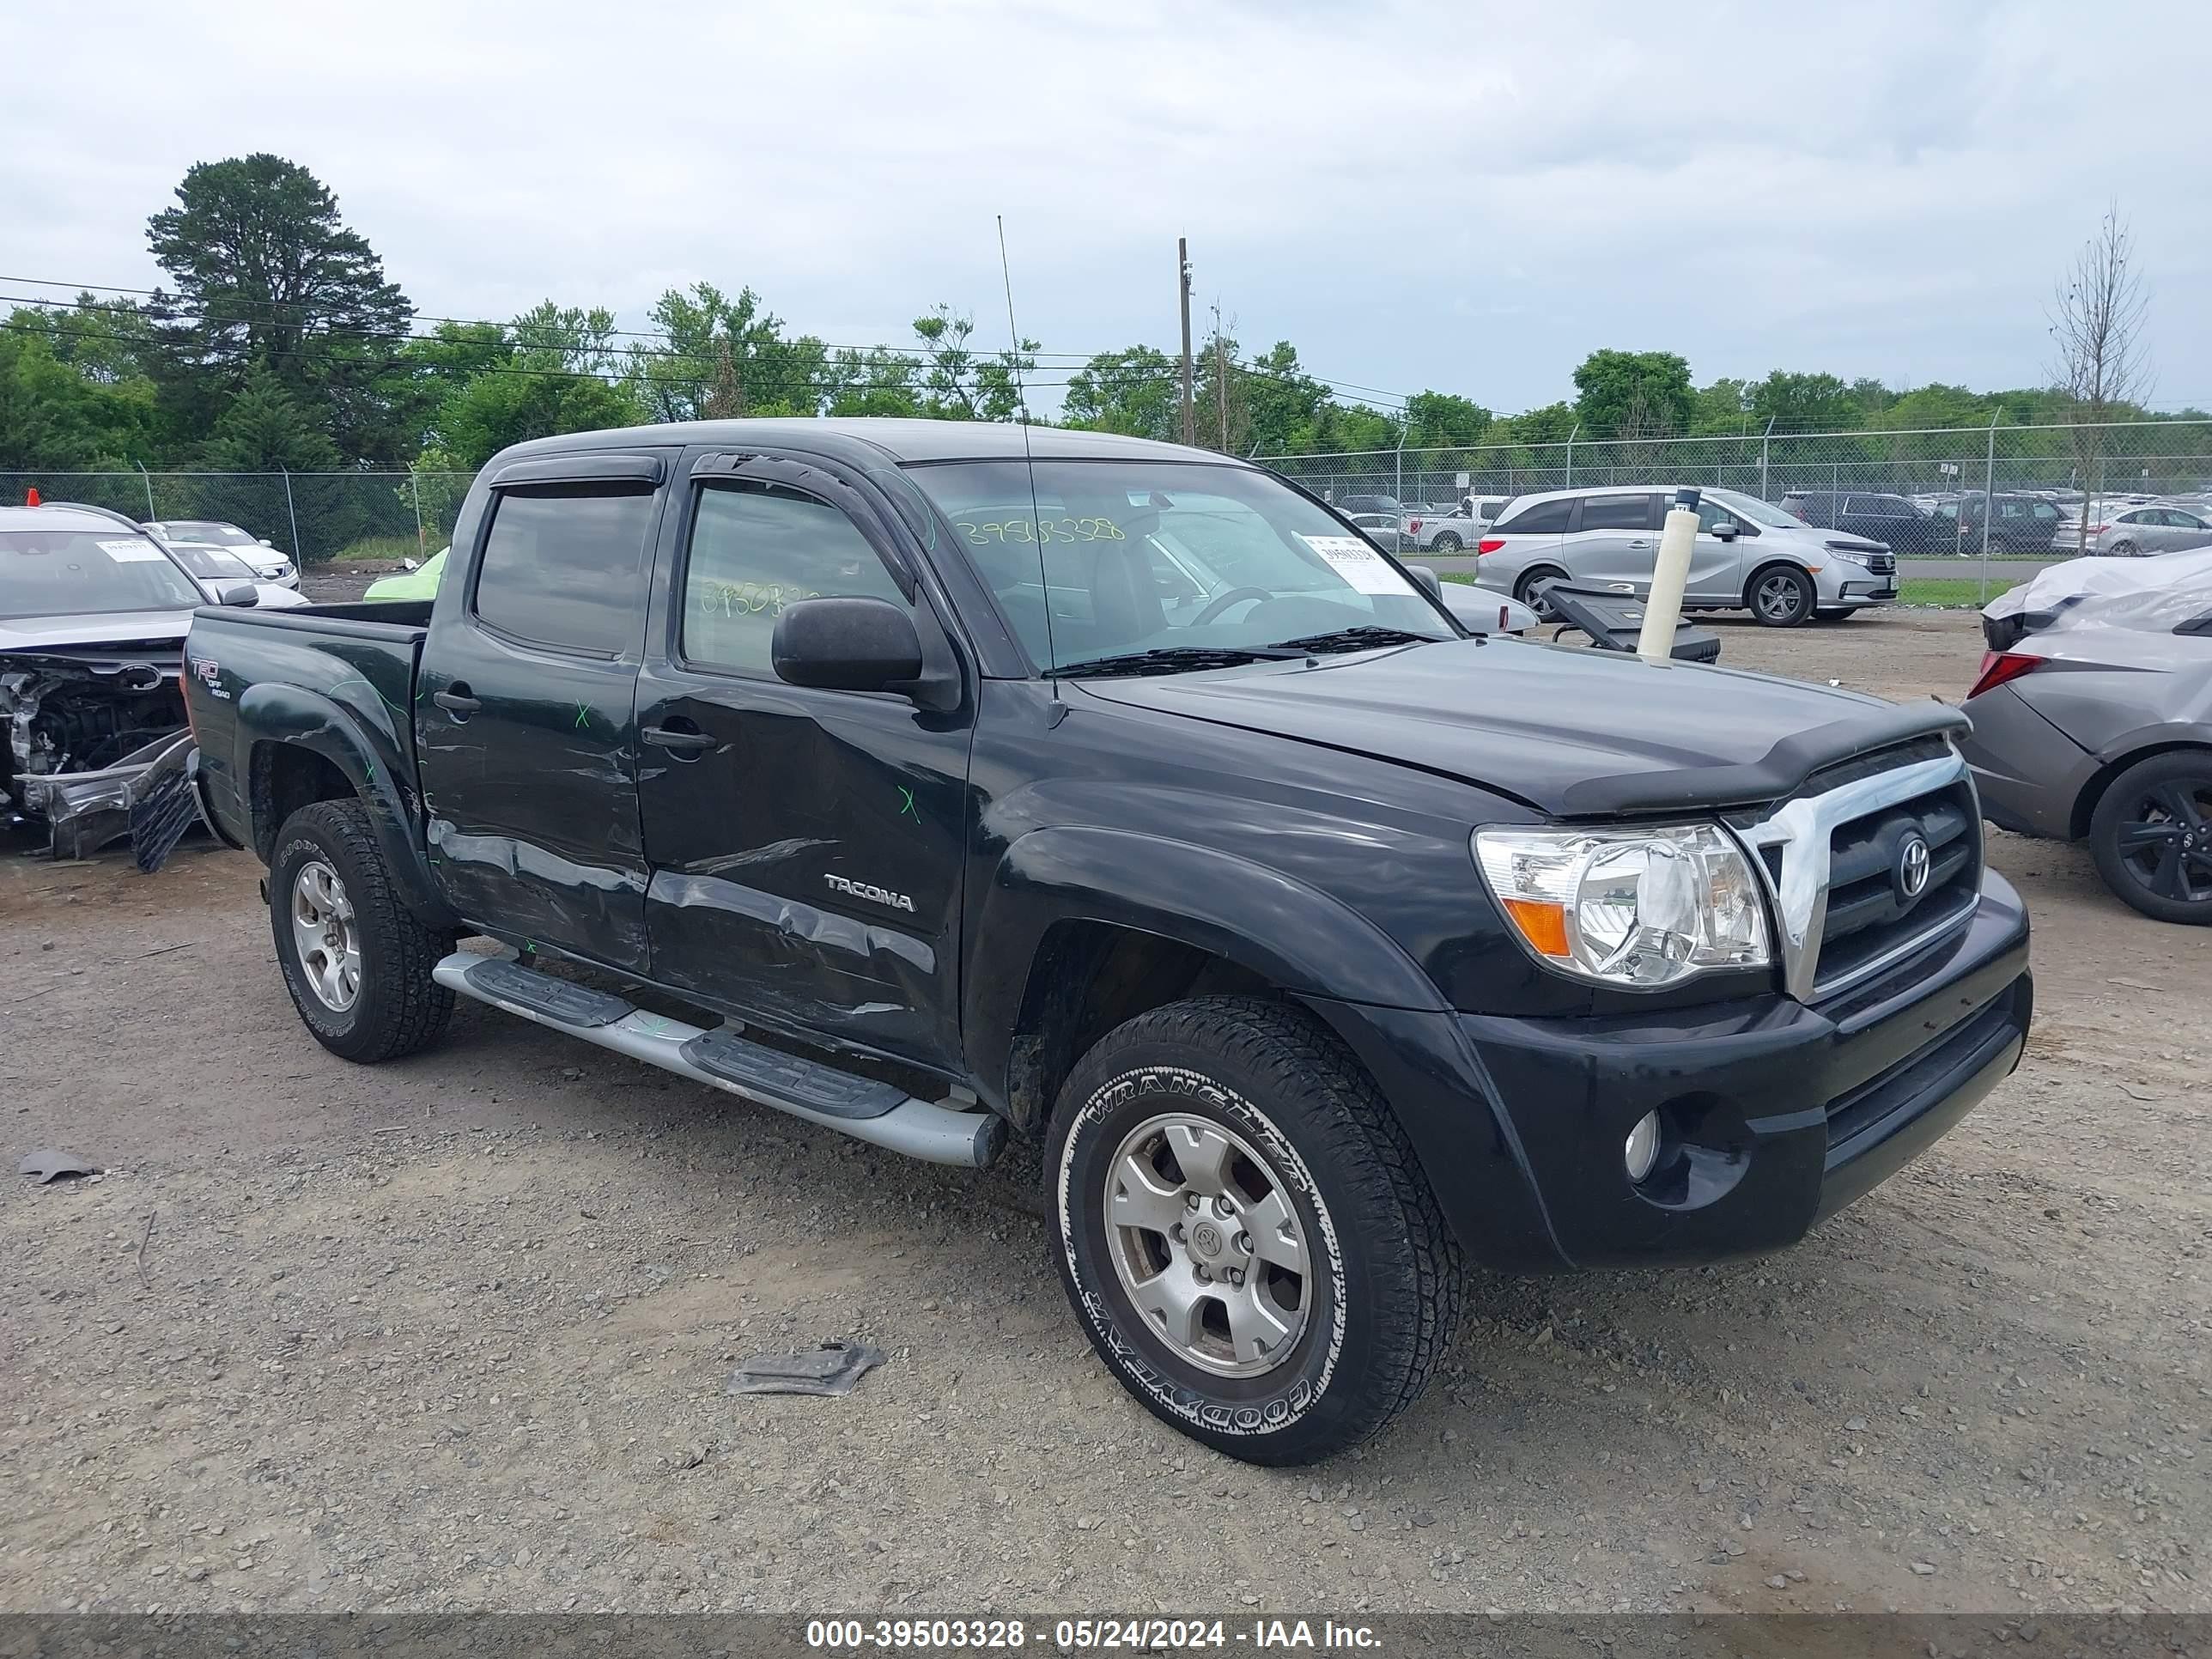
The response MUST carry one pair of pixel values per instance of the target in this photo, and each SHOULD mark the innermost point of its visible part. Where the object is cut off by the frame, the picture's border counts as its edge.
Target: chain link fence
(313, 517)
(2074, 464)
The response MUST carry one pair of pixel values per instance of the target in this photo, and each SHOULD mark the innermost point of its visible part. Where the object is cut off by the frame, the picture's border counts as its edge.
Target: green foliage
(54, 414)
(1438, 420)
(724, 358)
(1133, 391)
(546, 372)
(1801, 403)
(1634, 394)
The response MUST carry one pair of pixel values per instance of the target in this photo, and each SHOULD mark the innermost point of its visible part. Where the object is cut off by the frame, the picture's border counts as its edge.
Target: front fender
(1296, 938)
(366, 746)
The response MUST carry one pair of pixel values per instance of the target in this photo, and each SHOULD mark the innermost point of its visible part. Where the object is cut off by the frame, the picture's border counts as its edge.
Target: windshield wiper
(1363, 638)
(1171, 660)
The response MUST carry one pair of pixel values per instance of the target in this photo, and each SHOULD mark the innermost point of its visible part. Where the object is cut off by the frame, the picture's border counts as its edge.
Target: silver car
(2104, 734)
(1750, 555)
(267, 564)
(2142, 530)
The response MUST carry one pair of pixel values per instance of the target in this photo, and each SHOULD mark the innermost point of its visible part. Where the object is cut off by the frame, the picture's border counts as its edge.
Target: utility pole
(1220, 377)
(1182, 298)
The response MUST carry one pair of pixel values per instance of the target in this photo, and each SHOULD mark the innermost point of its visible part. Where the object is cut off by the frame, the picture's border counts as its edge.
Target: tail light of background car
(1490, 544)
(1412, 526)
(2000, 667)
(2095, 529)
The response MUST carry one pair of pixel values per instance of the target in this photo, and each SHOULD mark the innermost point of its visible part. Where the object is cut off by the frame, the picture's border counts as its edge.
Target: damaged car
(93, 618)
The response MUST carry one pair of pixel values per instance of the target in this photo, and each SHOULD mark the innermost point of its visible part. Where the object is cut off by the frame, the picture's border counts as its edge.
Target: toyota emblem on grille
(1913, 867)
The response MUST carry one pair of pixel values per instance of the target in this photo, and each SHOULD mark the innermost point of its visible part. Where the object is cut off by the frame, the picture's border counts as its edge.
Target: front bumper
(1776, 1114)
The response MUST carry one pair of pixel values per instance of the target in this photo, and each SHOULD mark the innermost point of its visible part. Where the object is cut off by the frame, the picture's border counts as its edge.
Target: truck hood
(161, 632)
(1569, 731)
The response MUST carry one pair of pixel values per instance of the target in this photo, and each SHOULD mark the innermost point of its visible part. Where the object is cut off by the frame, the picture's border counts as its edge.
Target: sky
(1467, 198)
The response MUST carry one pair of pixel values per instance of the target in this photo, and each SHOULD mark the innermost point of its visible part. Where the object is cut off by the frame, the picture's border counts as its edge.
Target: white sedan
(267, 564)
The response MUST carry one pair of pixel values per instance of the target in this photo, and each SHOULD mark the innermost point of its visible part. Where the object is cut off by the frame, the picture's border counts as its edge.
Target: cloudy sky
(1458, 196)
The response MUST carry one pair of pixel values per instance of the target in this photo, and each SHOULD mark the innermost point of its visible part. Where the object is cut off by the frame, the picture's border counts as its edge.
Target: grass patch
(1952, 593)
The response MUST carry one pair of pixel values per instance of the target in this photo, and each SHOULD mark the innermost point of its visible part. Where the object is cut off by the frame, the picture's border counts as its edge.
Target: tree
(55, 417)
(1440, 420)
(550, 373)
(957, 384)
(2096, 325)
(725, 356)
(1803, 402)
(1134, 391)
(1648, 390)
(265, 271)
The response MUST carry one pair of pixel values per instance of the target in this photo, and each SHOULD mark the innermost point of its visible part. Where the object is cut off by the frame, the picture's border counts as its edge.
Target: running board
(877, 1113)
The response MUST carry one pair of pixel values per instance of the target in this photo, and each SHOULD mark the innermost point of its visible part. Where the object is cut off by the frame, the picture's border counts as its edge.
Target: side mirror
(1726, 530)
(847, 645)
(266, 542)
(243, 594)
(1432, 584)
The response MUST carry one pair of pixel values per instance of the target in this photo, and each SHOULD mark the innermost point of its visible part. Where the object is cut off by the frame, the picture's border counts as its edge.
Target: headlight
(1640, 907)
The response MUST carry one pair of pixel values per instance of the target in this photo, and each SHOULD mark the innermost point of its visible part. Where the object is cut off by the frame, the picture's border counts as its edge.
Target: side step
(867, 1110)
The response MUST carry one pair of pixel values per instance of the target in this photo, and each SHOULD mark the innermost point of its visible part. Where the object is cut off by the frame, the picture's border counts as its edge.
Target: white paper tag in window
(1359, 563)
(132, 552)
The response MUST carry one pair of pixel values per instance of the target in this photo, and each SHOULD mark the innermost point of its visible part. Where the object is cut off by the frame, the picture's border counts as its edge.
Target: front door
(523, 721)
(806, 845)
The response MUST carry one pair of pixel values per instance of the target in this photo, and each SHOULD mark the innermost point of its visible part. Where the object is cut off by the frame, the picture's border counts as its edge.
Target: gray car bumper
(2028, 772)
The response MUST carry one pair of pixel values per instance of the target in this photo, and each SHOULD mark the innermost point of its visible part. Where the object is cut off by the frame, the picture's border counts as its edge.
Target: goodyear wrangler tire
(1242, 1227)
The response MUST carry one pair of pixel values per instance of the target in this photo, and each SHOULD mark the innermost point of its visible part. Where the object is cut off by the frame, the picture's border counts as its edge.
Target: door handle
(1640, 543)
(456, 701)
(683, 740)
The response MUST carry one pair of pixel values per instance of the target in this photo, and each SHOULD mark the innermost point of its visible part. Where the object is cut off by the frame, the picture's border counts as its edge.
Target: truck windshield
(1172, 565)
(65, 572)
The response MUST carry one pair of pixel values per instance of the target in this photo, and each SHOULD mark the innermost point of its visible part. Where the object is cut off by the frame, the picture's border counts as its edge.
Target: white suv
(1750, 555)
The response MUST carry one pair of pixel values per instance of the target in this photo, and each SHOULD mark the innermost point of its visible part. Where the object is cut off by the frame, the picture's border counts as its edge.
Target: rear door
(523, 717)
(806, 845)
(1613, 542)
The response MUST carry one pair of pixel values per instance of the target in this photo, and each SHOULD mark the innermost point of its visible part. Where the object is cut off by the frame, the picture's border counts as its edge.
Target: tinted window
(563, 565)
(2046, 512)
(757, 548)
(1618, 511)
(1878, 506)
(1543, 518)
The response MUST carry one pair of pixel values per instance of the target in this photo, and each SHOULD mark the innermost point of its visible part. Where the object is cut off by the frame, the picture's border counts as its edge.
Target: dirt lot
(452, 1332)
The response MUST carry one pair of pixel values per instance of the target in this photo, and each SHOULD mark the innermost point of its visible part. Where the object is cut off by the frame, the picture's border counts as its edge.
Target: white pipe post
(1662, 611)
(1989, 500)
(150, 514)
(298, 553)
(1766, 438)
(1570, 454)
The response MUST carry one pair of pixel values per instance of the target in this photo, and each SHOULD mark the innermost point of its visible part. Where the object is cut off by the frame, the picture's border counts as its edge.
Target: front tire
(1782, 596)
(1244, 1232)
(354, 959)
(2152, 836)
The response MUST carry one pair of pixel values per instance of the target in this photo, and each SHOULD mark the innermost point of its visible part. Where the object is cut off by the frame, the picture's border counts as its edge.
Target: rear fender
(366, 747)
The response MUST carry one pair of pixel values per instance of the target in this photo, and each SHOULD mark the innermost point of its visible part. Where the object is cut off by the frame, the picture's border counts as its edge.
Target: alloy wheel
(2165, 841)
(324, 933)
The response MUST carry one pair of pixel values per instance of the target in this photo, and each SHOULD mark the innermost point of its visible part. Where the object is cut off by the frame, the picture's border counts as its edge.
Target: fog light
(1642, 1151)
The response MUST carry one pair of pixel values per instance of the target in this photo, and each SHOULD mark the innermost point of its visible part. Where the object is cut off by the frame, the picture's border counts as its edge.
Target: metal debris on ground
(49, 1166)
(831, 1370)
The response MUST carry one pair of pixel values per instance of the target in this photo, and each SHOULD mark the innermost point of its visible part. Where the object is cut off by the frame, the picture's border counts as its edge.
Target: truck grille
(1883, 856)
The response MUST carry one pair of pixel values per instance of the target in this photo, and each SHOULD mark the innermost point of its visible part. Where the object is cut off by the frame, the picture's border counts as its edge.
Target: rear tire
(1449, 541)
(2123, 550)
(2152, 836)
(1542, 573)
(354, 959)
(1782, 596)
(1230, 1138)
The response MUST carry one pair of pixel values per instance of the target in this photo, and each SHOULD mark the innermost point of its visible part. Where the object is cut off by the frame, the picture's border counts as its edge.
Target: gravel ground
(452, 1332)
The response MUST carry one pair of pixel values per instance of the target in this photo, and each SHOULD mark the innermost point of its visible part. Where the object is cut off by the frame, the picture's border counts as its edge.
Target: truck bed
(249, 674)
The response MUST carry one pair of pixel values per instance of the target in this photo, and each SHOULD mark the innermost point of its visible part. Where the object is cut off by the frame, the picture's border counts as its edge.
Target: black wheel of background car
(1446, 542)
(356, 961)
(2123, 550)
(1782, 596)
(1523, 590)
(1244, 1232)
(2152, 836)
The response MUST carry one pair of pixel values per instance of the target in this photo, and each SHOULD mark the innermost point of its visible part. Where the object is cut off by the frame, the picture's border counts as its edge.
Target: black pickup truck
(893, 775)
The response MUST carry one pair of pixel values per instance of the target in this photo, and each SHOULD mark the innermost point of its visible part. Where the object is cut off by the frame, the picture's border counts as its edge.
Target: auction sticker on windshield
(132, 552)
(1359, 563)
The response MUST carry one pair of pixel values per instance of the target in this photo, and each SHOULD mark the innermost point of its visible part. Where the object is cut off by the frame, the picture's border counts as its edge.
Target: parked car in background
(267, 563)
(1749, 554)
(1350, 505)
(2093, 720)
(1385, 529)
(2099, 510)
(92, 617)
(1893, 520)
(2021, 524)
(220, 573)
(2143, 530)
(1445, 530)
